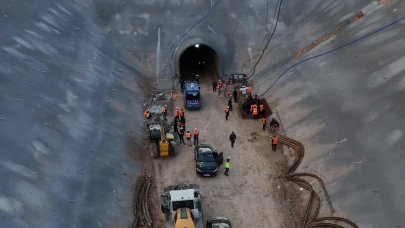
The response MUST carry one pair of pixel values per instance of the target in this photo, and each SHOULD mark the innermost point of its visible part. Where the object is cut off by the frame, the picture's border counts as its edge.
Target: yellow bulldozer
(161, 140)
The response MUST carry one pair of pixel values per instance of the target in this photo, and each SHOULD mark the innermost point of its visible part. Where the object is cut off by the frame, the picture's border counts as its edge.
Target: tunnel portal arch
(190, 44)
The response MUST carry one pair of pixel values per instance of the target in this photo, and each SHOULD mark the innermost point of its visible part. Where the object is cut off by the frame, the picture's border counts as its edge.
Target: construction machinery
(182, 206)
(161, 140)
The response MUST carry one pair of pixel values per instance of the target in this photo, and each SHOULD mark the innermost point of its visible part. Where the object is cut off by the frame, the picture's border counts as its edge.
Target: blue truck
(192, 96)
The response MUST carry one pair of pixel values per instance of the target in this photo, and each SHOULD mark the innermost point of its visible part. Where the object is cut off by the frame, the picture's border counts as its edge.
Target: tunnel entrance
(199, 60)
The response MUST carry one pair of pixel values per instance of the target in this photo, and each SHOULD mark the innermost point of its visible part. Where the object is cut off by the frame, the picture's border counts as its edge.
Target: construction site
(202, 114)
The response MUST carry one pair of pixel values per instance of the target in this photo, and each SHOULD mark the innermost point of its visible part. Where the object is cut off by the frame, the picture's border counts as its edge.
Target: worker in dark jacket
(235, 95)
(175, 129)
(274, 123)
(232, 138)
(181, 135)
(230, 104)
(214, 86)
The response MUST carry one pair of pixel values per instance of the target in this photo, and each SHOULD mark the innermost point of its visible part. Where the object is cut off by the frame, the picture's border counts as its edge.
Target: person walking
(188, 137)
(255, 113)
(227, 166)
(214, 86)
(219, 88)
(175, 125)
(176, 113)
(227, 113)
(264, 122)
(232, 138)
(181, 136)
(195, 133)
(230, 104)
(274, 143)
(235, 95)
(164, 111)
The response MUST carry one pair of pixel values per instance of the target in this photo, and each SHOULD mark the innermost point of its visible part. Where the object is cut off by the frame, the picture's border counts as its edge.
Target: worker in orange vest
(195, 133)
(219, 88)
(147, 114)
(274, 143)
(255, 113)
(227, 113)
(262, 111)
(264, 122)
(181, 113)
(188, 137)
(176, 113)
(164, 111)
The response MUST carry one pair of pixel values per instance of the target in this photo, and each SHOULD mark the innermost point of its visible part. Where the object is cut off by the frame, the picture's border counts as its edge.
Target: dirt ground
(252, 195)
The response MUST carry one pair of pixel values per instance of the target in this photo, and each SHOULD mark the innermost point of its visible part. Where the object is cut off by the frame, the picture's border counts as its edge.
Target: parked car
(218, 222)
(207, 160)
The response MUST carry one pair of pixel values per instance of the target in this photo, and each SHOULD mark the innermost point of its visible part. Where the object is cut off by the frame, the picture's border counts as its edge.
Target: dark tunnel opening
(202, 61)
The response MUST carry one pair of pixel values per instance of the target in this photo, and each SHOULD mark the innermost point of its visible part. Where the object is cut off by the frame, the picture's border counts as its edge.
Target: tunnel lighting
(197, 45)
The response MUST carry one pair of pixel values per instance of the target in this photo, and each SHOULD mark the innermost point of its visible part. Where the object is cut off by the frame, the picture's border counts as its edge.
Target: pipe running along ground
(289, 175)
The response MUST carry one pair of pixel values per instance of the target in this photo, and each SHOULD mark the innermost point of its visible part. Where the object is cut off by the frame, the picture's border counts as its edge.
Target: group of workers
(179, 126)
(148, 114)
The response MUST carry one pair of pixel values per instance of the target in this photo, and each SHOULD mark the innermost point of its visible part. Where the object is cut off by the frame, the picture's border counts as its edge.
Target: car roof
(205, 150)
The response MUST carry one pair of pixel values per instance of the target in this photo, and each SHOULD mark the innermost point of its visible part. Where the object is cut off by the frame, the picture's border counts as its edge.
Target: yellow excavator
(161, 140)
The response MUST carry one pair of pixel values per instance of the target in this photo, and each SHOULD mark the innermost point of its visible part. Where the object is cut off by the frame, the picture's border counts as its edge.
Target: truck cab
(182, 206)
(192, 96)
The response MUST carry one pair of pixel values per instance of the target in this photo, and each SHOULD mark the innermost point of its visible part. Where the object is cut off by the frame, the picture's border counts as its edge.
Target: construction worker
(226, 112)
(264, 122)
(214, 86)
(232, 138)
(274, 123)
(251, 109)
(230, 104)
(147, 114)
(175, 125)
(274, 143)
(183, 121)
(227, 165)
(188, 137)
(219, 88)
(181, 113)
(262, 111)
(235, 95)
(164, 111)
(176, 113)
(181, 135)
(255, 113)
(195, 133)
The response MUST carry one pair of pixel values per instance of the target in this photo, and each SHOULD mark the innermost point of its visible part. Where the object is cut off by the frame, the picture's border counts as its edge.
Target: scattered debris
(341, 141)
(156, 109)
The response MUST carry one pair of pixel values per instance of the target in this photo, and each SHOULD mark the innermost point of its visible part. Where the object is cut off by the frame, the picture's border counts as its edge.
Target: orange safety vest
(219, 86)
(275, 140)
(164, 109)
(261, 107)
(195, 133)
(177, 112)
(227, 110)
(254, 111)
(181, 112)
(146, 113)
(188, 135)
(263, 120)
(251, 107)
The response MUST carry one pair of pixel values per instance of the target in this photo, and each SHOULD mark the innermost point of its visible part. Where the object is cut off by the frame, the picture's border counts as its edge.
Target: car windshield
(205, 155)
(220, 225)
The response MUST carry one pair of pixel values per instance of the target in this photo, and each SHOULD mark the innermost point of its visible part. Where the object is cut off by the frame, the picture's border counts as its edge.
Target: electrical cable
(198, 22)
(267, 31)
(335, 49)
(268, 42)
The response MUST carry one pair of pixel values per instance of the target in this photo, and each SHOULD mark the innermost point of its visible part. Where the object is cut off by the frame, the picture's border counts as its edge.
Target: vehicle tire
(153, 149)
(173, 148)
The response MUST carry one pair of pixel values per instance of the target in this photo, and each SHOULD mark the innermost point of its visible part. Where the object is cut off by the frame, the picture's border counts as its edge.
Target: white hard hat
(165, 105)
(195, 129)
(229, 158)
(148, 109)
(177, 107)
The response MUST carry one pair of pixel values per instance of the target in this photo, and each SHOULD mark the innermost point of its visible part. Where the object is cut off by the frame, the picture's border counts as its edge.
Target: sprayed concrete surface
(69, 98)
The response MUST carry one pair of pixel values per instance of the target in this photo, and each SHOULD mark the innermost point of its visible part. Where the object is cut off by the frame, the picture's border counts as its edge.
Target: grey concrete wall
(72, 108)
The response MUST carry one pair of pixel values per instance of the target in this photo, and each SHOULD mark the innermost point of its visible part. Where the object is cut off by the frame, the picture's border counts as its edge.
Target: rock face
(71, 109)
